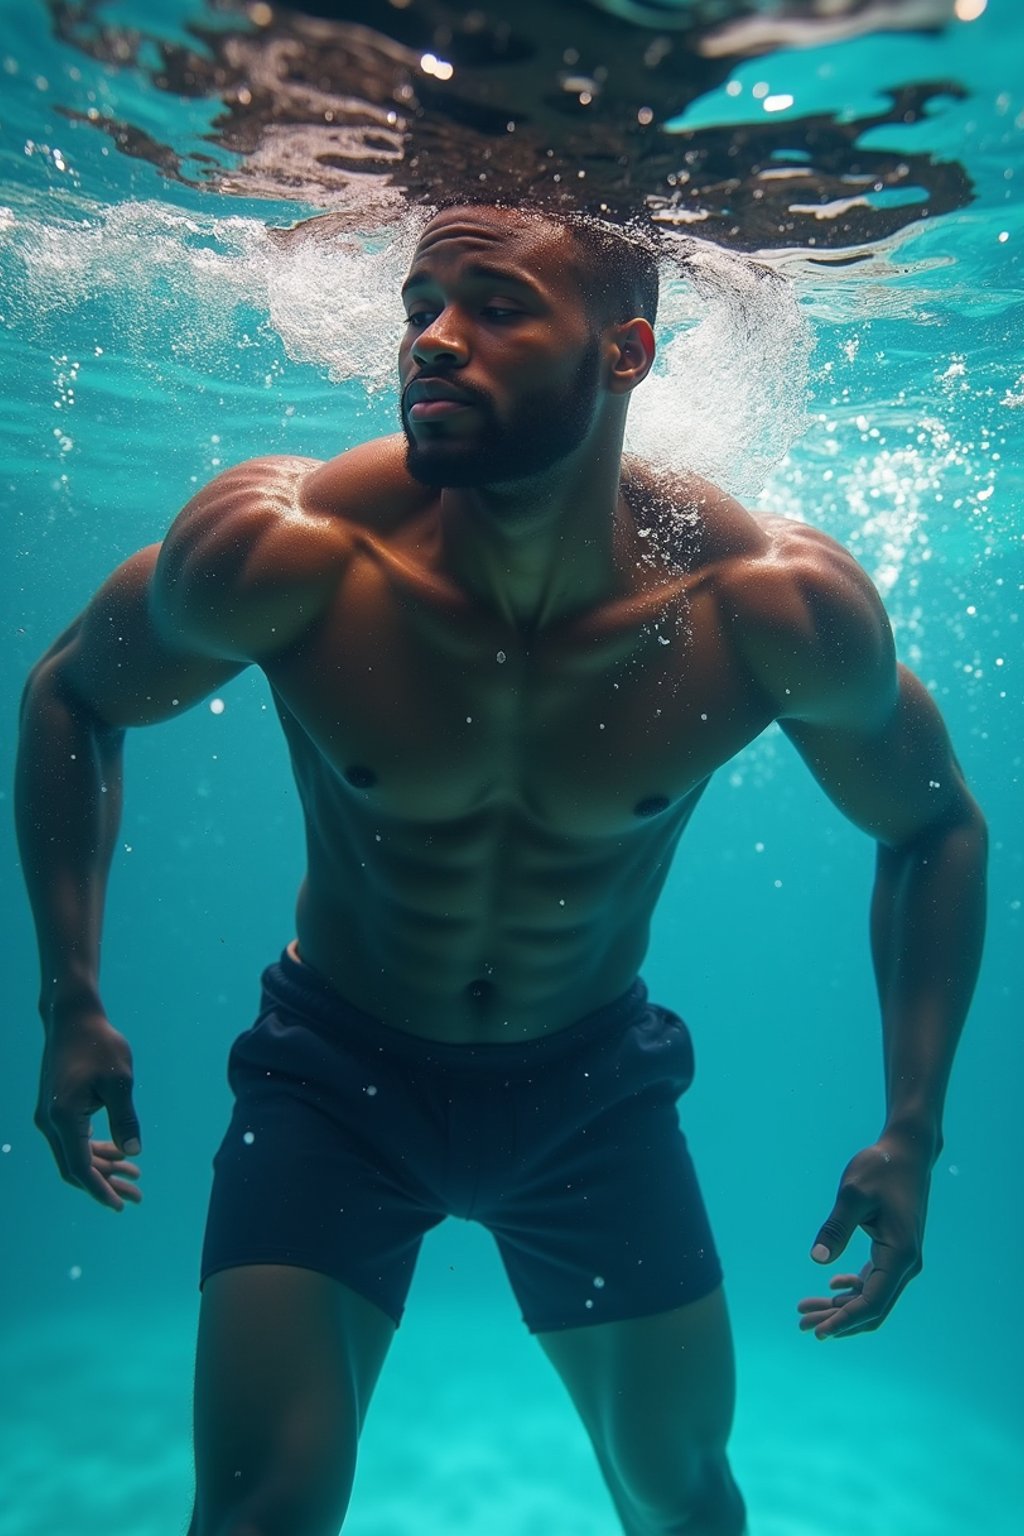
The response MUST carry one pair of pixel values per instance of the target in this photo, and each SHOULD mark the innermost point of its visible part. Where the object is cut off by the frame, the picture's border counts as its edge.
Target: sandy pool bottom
(470, 1434)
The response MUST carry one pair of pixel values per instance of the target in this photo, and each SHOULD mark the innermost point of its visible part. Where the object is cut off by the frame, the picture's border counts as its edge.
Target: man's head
(526, 333)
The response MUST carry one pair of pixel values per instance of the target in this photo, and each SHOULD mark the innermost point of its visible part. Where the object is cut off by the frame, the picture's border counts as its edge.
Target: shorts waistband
(306, 993)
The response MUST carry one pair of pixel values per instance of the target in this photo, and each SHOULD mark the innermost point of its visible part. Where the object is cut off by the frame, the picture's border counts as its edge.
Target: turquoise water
(151, 334)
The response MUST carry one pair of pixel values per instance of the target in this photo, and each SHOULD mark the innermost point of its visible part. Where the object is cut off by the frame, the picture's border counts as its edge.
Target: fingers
(124, 1122)
(56, 1148)
(98, 1167)
(852, 1316)
(111, 1181)
(817, 1311)
(107, 1152)
(67, 1103)
(68, 1133)
(853, 1283)
(861, 1304)
(846, 1216)
(96, 1178)
(119, 1174)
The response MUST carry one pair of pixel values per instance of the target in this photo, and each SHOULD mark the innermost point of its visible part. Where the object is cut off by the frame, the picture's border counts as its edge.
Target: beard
(542, 429)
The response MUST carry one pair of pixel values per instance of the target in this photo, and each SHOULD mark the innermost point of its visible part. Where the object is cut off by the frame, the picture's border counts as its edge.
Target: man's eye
(501, 312)
(420, 317)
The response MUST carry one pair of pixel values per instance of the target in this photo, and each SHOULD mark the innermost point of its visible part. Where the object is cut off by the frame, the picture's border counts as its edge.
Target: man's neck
(537, 550)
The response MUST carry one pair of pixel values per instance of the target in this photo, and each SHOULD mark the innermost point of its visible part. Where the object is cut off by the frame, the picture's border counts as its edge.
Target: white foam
(726, 398)
(728, 395)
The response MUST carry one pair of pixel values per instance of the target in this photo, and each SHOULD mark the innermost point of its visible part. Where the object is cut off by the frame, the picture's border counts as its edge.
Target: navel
(651, 805)
(360, 777)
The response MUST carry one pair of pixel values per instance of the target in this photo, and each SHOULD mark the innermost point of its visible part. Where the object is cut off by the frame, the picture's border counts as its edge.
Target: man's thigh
(656, 1395)
(287, 1361)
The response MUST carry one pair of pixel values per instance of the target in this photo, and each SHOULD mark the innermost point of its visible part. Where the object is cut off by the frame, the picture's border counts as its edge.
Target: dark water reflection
(369, 104)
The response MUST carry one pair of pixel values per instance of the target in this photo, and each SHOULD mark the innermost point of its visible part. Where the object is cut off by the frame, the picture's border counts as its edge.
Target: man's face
(500, 364)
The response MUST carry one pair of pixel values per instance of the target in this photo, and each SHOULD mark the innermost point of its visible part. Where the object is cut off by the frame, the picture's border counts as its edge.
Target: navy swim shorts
(350, 1139)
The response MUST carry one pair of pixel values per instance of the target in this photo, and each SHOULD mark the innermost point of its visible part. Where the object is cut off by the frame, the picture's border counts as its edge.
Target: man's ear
(630, 353)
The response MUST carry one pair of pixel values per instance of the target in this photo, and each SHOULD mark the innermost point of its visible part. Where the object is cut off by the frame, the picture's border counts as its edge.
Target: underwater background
(157, 322)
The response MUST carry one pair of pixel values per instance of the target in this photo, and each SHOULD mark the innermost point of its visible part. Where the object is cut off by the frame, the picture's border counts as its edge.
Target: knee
(703, 1501)
(248, 1525)
(230, 1526)
(269, 1517)
(719, 1509)
(302, 1489)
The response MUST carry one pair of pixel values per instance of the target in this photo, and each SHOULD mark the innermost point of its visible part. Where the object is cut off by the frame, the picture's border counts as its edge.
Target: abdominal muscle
(494, 940)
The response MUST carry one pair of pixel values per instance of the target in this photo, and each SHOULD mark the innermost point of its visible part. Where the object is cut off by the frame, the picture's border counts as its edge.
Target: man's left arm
(874, 739)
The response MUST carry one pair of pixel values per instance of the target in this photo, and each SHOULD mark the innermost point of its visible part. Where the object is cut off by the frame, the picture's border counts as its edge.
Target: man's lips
(434, 410)
(433, 399)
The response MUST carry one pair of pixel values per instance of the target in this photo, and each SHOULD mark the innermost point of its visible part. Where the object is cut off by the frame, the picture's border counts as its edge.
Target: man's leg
(286, 1364)
(656, 1395)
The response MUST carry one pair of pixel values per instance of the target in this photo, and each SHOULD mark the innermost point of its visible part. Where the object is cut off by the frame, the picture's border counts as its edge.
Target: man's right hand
(87, 1066)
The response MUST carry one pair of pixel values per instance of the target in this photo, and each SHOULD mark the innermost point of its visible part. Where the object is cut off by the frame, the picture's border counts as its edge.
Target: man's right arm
(169, 626)
(109, 670)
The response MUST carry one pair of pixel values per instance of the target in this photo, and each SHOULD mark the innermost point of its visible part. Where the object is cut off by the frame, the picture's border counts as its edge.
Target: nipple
(651, 805)
(359, 777)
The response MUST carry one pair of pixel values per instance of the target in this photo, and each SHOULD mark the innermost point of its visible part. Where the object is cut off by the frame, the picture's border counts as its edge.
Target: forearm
(927, 929)
(68, 809)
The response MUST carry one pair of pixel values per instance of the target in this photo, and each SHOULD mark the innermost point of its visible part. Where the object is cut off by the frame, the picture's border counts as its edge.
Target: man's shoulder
(794, 574)
(811, 623)
(368, 487)
(758, 560)
(696, 524)
(282, 512)
(802, 612)
(364, 486)
(256, 555)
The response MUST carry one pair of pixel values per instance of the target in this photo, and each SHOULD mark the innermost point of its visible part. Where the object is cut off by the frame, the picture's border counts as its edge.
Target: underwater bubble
(135, 253)
(335, 298)
(728, 394)
(726, 397)
(332, 296)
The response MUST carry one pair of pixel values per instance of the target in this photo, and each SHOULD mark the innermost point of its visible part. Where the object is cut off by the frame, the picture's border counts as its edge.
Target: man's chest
(437, 714)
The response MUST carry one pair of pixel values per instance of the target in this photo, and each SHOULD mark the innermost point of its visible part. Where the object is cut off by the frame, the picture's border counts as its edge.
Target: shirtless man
(503, 703)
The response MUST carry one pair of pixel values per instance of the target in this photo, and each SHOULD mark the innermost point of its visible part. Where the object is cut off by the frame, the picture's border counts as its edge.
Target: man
(507, 662)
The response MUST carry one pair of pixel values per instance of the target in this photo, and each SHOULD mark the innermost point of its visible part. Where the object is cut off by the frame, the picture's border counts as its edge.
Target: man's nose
(442, 341)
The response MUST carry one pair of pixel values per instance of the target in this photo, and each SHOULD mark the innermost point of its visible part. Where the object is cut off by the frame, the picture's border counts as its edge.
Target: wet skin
(504, 700)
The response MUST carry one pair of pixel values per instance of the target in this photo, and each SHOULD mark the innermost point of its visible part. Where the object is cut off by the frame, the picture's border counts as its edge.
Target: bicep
(128, 668)
(893, 777)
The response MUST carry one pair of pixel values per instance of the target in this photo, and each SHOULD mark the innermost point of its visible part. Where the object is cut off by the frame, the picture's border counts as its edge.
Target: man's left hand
(884, 1189)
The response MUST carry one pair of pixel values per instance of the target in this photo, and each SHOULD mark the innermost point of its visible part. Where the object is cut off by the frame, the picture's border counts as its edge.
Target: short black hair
(620, 264)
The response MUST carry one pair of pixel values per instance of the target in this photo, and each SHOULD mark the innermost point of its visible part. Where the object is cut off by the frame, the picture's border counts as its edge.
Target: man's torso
(491, 815)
